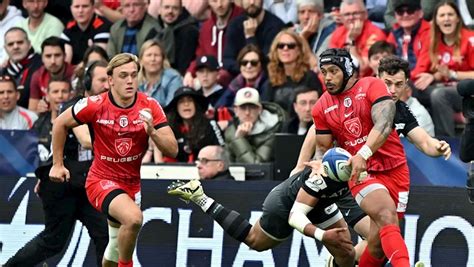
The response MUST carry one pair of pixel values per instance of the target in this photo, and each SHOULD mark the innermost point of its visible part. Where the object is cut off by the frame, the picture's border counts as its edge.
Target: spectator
(13, 117)
(94, 81)
(410, 32)
(212, 36)
(179, 33)
(54, 65)
(213, 164)
(207, 71)
(313, 26)
(301, 120)
(186, 115)
(250, 137)
(256, 26)
(451, 59)
(377, 51)
(197, 8)
(286, 10)
(129, 34)
(10, 16)
(252, 74)
(289, 67)
(156, 78)
(85, 30)
(357, 33)
(39, 25)
(403, 92)
(376, 12)
(22, 62)
(466, 8)
(93, 53)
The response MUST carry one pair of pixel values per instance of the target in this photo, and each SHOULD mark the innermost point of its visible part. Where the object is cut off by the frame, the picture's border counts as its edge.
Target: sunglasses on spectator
(288, 45)
(204, 161)
(407, 10)
(253, 63)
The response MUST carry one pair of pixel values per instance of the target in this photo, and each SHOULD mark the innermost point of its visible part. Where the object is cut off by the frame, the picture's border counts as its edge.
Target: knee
(134, 220)
(387, 216)
(255, 243)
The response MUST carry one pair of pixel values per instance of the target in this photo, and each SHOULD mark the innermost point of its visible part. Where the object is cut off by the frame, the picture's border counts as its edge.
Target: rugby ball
(335, 164)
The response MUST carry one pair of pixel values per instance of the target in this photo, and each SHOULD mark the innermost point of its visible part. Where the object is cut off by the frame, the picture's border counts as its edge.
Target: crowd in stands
(228, 73)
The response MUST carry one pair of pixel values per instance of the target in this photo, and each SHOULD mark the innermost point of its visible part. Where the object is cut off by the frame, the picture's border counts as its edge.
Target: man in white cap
(250, 137)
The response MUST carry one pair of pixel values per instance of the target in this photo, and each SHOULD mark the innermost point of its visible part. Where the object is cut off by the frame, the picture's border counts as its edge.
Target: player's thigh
(259, 240)
(380, 207)
(123, 208)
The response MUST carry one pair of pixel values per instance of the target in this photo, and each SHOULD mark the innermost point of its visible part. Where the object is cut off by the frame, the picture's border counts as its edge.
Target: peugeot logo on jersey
(123, 121)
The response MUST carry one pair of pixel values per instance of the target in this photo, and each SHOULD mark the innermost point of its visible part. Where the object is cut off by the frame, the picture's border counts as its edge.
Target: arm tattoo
(383, 113)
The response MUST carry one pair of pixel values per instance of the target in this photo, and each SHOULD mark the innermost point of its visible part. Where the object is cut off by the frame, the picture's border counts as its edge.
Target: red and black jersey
(118, 134)
(98, 31)
(347, 116)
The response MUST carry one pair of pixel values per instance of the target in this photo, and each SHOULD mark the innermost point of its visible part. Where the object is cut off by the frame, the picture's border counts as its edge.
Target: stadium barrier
(438, 228)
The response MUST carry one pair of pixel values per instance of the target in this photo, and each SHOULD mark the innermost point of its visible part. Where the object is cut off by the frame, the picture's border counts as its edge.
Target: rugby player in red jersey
(358, 114)
(121, 122)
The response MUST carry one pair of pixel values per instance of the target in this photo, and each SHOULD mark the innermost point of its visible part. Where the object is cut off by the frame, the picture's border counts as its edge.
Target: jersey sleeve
(319, 119)
(315, 186)
(159, 117)
(405, 116)
(377, 91)
(84, 110)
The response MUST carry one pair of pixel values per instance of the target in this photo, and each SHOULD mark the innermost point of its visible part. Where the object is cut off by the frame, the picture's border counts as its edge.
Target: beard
(253, 13)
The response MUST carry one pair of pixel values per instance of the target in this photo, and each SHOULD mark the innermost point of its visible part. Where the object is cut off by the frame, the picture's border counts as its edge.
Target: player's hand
(147, 121)
(423, 80)
(316, 167)
(59, 174)
(250, 27)
(338, 237)
(359, 166)
(243, 129)
(37, 187)
(444, 149)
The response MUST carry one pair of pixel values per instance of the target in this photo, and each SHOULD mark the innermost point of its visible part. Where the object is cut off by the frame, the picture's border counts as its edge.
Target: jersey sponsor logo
(124, 159)
(330, 209)
(105, 122)
(348, 114)
(353, 126)
(95, 98)
(399, 126)
(356, 141)
(107, 184)
(123, 146)
(123, 121)
(316, 183)
(347, 102)
(360, 96)
(329, 109)
(80, 105)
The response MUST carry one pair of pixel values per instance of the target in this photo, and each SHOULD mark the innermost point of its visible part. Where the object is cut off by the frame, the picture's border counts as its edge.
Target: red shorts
(396, 181)
(98, 189)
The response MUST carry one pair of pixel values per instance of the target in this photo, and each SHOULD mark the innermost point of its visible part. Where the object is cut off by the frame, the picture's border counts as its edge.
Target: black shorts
(276, 209)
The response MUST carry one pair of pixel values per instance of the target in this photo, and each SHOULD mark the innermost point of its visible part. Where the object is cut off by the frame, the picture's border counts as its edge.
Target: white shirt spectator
(286, 10)
(18, 119)
(11, 19)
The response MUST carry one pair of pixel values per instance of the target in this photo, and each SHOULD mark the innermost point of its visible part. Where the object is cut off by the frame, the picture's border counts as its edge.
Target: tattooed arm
(382, 113)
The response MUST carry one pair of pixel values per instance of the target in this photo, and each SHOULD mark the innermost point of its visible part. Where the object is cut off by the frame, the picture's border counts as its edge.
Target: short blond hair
(122, 59)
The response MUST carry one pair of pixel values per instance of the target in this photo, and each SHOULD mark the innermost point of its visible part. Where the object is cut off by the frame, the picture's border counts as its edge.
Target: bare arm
(382, 113)
(313, 148)
(427, 144)
(165, 141)
(69, 52)
(83, 136)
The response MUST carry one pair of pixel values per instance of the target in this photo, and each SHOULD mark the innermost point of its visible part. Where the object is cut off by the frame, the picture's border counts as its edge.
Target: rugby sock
(366, 259)
(393, 246)
(123, 263)
(231, 221)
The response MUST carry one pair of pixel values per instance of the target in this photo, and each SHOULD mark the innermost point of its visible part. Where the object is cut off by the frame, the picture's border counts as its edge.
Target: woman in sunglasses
(451, 59)
(289, 68)
(252, 74)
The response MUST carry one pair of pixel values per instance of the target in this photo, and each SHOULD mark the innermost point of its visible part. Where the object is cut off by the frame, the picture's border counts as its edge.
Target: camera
(466, 90)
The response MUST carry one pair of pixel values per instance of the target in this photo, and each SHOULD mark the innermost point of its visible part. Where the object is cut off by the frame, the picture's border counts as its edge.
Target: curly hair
(197, 127)
(436, 34)
(276, 70)
(393, 64)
